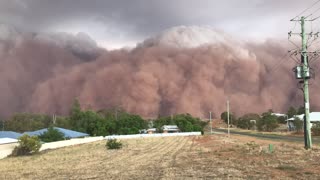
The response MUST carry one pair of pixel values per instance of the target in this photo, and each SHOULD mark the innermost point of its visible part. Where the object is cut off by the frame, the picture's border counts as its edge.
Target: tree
(316, 129)
(247, 121)
(300, 110)
(291, 112)
(87, 122)
(75, 112)
(129, 123)
(185, 122)
(22, 122)
(268, 122)
(52, 135)
(63, 122)
(224, 117)
(281, 120)
(298, 124)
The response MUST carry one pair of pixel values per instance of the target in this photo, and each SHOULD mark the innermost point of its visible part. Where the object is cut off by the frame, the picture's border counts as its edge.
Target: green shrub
(185, 122)
(27, 145)
(248, 121)
(298, 124)
(113, 144)
(268, 122)
(52, 135)
(315, 129)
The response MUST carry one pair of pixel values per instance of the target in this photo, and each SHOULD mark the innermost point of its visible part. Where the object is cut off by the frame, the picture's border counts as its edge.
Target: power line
(278, 63)
(315, 11)
(306, 9)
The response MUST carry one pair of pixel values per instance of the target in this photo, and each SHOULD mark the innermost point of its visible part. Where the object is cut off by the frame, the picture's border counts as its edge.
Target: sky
(118, 23)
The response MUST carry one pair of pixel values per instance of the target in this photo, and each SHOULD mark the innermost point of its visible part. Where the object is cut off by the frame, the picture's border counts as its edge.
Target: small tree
(248, 121)
(224, 117)
(315, 129)
(291, 112)
(27, 145)
(268, 122)
(113, 144)
(52, 135)
(75, 113)
(298, 124)
(300, 110)
(281, 120)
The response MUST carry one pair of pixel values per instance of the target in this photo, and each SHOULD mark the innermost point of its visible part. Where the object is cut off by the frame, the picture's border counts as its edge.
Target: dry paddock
(201, 157)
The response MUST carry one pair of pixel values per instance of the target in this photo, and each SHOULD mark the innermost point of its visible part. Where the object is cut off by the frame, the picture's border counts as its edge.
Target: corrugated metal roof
(170, 128)
(278, 114)
(67, 133)
(9, 134)
(314, 117)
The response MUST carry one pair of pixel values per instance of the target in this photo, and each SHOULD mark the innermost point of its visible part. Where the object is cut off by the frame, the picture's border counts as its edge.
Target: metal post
(304, 60)
(210, 123)
(228, 117)
(288, 129)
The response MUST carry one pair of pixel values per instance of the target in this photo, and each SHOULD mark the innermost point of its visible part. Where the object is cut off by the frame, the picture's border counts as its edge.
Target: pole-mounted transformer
(300, 74)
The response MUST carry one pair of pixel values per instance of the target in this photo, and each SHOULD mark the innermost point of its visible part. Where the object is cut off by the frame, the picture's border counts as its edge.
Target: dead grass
(206, 157)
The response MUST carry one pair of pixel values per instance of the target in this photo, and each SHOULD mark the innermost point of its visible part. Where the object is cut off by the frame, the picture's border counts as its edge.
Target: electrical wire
(294, 44)
(315, 12)
(278, 63)
(276, 66)
(307, 9)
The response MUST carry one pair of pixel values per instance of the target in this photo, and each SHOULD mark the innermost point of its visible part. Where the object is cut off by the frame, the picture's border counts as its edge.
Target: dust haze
(41, 73)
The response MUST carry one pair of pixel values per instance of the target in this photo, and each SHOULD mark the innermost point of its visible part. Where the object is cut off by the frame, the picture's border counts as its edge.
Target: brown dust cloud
(40, 74)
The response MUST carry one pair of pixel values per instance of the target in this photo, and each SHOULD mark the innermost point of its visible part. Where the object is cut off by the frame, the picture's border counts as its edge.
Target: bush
(185, 122)
(113, 144)
(27, 145)
(281, 120)
(268, 122)
(232, 117)
(315, 129)
(52, 135)
(298, 124)
(248, 121)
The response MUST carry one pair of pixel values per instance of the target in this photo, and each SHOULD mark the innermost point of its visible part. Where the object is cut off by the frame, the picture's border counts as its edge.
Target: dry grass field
(206, 157)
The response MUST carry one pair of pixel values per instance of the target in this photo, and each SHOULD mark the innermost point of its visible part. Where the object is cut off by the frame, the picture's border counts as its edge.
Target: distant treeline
(101, 123)
(267, 121)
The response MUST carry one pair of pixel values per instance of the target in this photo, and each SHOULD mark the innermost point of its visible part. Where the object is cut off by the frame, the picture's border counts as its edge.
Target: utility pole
(54, 119)
(303, 72)
(210, 123)
(228, 117)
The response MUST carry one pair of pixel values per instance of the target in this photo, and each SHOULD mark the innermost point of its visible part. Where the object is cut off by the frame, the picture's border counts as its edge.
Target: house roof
(279, 114)
(9, 134)
(314, 117)
(7, 140)
(67, 133)
(170, 128)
